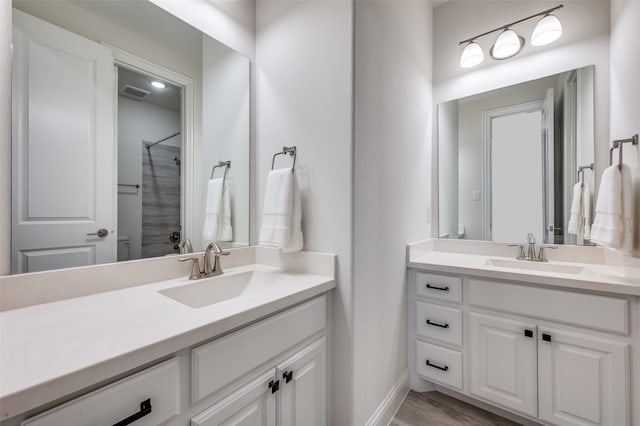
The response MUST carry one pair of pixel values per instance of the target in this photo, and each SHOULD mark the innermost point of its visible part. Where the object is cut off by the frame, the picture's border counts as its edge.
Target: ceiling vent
(134, 92)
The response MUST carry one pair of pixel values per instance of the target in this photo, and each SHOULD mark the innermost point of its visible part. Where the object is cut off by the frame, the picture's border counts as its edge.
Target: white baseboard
(390, 404)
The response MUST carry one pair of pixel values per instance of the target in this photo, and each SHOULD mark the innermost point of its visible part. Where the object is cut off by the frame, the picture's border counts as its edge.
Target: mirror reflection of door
(520, 172)
(63, 197)
(149, 166)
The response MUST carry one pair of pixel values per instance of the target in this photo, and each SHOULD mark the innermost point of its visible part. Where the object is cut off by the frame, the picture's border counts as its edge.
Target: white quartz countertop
(53, 349)
(598, 271)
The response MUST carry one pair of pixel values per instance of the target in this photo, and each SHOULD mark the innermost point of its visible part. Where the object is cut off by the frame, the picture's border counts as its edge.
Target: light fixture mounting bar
(503, 27)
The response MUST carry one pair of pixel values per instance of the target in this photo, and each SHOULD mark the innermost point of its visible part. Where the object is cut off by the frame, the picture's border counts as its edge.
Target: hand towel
(586, 211)
(612, 225)
(217, 221)
(575, 223)
(282, 213)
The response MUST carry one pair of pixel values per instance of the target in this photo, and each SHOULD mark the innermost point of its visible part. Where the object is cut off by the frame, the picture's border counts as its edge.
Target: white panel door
(517, 176)
(62, 148)
(252, 405)
(503, 362)
(303, 387)
(583, 380)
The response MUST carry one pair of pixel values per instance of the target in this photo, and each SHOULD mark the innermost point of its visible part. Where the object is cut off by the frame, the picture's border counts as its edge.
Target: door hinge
(274, 385)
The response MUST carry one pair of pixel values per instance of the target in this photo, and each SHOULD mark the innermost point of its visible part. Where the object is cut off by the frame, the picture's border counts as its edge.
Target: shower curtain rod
(149, 145)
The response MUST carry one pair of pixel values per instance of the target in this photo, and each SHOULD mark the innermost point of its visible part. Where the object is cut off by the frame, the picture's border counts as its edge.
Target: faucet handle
(531, 239)
(196, 272)
(521, 254)
(541, 255)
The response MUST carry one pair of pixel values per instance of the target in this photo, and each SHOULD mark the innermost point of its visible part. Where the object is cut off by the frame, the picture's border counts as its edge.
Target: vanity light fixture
(158, 84)
(509, 43)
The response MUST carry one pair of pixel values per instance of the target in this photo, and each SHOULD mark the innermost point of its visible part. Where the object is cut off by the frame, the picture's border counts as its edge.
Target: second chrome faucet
(209, 268)
(531, 250)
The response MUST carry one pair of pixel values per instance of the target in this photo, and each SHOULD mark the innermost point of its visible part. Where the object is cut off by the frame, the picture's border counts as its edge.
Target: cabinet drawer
(116, 402)
(586, 310)
(440, 364)
(439, 322)
(218, 363)
(439, 287)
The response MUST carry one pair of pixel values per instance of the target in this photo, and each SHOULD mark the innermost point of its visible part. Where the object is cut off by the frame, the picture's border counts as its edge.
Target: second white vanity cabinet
(555, 356)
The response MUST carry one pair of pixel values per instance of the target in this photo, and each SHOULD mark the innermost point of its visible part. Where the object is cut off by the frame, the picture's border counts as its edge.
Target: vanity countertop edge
(178, 327)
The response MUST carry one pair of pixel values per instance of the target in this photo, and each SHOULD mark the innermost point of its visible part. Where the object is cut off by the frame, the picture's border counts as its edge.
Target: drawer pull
(445, 368)
(433, 287)
(435, 324)
(546, 337)
(145, 408)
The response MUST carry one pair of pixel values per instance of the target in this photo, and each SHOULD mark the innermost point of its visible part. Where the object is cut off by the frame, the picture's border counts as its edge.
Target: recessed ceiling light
(158, 84)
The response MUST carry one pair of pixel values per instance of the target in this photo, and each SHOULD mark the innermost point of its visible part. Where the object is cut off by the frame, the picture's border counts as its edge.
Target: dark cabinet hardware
(145, 408)
(546, 337)
(445, 368)
(287, 376)
(435, 324)
(528, 333)
(434, 287)
(274, 385)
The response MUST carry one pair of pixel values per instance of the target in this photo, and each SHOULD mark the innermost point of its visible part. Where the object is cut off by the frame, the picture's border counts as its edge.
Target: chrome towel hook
(225, 164)
(291, 150)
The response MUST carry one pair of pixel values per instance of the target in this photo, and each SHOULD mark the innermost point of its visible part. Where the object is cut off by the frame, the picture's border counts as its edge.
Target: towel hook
(225, 164)
(291, 150)
(633, 140)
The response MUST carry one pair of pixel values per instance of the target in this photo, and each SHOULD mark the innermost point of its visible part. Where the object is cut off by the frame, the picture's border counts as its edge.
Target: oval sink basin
(210, 290)
(535, 266)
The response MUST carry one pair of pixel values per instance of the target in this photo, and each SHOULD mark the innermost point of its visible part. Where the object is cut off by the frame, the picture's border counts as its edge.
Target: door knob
(101, 233)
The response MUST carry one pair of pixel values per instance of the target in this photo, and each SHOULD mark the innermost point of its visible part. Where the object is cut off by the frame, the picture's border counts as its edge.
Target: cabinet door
(503, 362)
(303, 387)
(252, 405)
(583, 380)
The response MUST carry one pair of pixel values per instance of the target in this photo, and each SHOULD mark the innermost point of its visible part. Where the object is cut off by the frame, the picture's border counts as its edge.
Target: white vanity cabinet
(556, 356)
(271, 372)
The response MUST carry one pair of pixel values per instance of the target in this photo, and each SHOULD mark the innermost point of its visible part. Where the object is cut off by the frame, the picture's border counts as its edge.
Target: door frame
(124, 59)
(487, 116)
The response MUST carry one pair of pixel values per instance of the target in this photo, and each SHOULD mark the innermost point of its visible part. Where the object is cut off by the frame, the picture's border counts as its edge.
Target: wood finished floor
(437, 409)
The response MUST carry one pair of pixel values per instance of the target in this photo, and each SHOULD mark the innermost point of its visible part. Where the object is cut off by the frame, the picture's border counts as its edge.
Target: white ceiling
(169, 97)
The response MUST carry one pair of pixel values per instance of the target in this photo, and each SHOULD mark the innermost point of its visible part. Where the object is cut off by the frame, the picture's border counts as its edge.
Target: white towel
(580, 216)
(282, 214)
(217, 221)
(612, 226)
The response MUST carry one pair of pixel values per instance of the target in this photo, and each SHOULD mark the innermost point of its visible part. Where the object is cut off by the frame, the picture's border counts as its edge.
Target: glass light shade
(547, 30)
(472, 55)
(508, 44)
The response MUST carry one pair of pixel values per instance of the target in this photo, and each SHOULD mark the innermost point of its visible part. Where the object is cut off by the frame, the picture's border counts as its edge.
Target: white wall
(304, 98)
(5, 138)
(226, 131)
(138, 121)
(625, 92)
(585, 41)
(393, 116)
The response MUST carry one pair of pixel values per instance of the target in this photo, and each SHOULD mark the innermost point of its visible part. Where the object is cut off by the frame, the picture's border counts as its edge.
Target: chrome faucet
(207, 269)
(216, 268)
(531, 250)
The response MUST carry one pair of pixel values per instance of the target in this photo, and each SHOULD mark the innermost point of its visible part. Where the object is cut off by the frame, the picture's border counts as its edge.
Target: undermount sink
(210, 290)
(535, 266)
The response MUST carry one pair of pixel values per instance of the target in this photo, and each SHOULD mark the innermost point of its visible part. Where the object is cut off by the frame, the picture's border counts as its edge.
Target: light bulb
(547, 30)
(507, 45)
(472, 55)
(158, 84)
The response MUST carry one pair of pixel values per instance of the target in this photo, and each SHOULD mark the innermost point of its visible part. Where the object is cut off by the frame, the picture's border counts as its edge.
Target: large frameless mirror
(120, 111)
(508, 160)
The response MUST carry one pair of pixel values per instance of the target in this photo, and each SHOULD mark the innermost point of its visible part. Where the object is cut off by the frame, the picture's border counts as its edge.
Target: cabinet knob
(287, 376)
(528, 333)
(274, 385)
(546, 337)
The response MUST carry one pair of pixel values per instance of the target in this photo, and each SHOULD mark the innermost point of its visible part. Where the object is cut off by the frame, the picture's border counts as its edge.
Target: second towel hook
(291, 150)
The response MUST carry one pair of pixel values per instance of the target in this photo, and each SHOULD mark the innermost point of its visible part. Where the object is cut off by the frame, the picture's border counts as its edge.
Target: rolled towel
(586, 211)
(282, 214)
(225, 230)
(626, 243)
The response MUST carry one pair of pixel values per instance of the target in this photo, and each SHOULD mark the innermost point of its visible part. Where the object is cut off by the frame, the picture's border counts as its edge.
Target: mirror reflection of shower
(149, 170)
